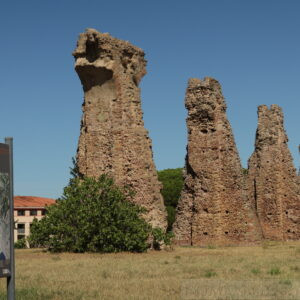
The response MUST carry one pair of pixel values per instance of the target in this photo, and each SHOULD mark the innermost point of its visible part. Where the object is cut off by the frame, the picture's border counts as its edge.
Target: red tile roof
(31, 201)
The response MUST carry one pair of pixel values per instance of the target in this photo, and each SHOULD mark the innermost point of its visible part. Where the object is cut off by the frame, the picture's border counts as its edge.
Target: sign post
(7, 261)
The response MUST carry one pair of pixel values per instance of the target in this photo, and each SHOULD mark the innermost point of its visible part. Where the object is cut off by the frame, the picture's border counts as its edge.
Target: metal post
(11, 278)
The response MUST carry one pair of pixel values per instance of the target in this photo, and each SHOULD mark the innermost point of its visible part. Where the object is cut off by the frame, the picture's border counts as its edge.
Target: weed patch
(274, 271)
(255, 271)
(210, 273)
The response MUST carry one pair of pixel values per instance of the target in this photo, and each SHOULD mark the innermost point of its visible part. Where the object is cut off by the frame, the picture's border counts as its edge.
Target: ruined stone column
(272, 179)
(214, 208)
(113, 139)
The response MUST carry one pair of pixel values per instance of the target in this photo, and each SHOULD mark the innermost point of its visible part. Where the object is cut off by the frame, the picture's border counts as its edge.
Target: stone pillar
(272, 179)
(113, 139)
(214, 207)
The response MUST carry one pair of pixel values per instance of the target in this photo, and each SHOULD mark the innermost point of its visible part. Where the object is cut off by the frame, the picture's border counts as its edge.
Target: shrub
(92, 215)
(20, 244)
(161, 238)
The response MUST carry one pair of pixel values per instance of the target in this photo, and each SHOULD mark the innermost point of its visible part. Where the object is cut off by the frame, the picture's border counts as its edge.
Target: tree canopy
(92, 215)
(172, 180)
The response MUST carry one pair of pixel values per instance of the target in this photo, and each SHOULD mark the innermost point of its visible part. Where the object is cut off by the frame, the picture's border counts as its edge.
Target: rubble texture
(214, 208)
(272, 179)
(113, 139)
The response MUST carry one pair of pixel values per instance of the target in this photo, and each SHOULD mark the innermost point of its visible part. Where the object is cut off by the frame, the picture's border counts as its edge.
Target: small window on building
(33, 212)
(21, 228)
(20, 236)
(21, 212)
(44, 212)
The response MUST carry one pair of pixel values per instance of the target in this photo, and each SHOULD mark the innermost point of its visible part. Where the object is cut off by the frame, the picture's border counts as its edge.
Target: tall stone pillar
(272, 179)
(214, 208)
(113, 139)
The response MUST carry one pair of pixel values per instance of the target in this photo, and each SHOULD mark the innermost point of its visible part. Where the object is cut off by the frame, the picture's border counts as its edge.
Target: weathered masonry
(113, 139)
(214, 207)
(272, 180)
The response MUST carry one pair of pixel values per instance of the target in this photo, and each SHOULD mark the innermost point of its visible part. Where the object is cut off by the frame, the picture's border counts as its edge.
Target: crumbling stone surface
(113, 139)
(272, 179)
(214, 208)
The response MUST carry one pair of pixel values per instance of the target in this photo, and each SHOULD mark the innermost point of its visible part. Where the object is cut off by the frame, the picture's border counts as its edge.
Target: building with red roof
(26, 208)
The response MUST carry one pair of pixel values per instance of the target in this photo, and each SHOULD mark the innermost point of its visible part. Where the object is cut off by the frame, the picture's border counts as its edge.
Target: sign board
(5, 218)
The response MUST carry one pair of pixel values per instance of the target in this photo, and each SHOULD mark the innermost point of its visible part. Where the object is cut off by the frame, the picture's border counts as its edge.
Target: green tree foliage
(244, 171)
(161, 238)
(20, 244)
(92, 215)
(172, 180)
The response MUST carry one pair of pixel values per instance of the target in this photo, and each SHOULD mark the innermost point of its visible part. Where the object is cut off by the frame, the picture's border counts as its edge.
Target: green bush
(172, 181)
(92, 215)
(20, 244)
(161, 238)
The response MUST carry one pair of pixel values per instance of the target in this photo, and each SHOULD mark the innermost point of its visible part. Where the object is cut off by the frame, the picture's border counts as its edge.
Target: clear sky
(251, 47)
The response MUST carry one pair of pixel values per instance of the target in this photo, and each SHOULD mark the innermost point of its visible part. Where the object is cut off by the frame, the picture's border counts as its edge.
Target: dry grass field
(270, 271)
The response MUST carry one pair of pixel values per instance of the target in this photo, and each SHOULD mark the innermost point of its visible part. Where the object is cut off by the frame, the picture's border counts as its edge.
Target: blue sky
(251, 47)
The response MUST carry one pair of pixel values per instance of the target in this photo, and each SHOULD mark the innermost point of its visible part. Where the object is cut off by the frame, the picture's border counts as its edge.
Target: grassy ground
(184, 273)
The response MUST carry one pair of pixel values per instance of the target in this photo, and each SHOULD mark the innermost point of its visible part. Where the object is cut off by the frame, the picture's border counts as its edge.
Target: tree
(245, 172)
(172, 180)
(92, 215)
